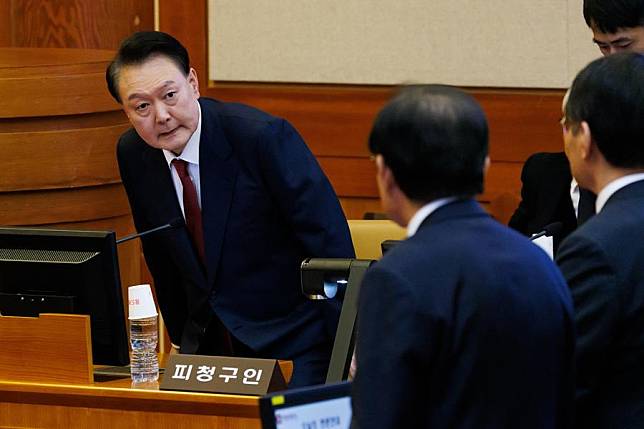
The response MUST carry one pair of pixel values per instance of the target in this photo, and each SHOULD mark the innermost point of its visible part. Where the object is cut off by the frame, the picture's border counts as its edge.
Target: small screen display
(328, 414)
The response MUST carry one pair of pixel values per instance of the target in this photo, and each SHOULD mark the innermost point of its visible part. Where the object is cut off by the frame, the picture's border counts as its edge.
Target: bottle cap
(141, 302)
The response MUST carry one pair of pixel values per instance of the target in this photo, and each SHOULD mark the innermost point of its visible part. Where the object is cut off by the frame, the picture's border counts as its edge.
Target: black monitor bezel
(103, 242)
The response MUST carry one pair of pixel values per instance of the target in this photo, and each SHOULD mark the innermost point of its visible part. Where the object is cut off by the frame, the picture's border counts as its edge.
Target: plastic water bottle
(144, 364)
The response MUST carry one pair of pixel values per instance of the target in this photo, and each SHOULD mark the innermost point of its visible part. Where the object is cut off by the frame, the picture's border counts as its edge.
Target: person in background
(549, 192)
(603, 261)
(465, 324)
(255, 204)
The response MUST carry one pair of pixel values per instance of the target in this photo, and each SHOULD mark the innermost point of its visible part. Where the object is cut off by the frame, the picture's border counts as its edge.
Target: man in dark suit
(545, 196)
(603, 261)
(465, 324)
(255, 201)
(548, 193)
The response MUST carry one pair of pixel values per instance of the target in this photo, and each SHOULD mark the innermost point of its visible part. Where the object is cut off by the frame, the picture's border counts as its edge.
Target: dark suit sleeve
(522, 216)
(392, 353)
(303, 193)
(593, 285)
(167, 280)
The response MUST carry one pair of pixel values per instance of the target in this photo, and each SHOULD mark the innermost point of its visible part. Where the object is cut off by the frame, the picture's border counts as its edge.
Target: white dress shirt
(418, 217)
(574, 195)
(190, 154)
(615, 186)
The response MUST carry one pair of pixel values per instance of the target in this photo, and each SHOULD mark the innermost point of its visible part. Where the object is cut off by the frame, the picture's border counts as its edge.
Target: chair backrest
(367, 235)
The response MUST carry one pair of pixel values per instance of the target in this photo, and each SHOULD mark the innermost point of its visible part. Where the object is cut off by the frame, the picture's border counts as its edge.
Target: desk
(114, 403)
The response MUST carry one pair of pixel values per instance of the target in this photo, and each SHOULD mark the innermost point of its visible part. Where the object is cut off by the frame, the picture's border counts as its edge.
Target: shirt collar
(190, 153)
(422, 214)
(615, 186)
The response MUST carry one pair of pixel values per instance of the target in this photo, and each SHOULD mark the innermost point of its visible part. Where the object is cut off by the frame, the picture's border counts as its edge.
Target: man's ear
(193, 81)
(486, 165)
(585, 141)
(384, 173)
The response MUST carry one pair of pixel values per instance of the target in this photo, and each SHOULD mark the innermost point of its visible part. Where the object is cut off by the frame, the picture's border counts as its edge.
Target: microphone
(174, 223)
(549, 230)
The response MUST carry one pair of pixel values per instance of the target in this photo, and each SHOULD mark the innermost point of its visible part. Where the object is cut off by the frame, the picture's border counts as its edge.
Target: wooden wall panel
(96, 24)
(67, 158)
(5, 23)
(71, 205)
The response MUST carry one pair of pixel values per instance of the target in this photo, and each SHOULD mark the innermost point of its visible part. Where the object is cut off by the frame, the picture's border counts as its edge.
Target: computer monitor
(387, 245)
(324, 406)
(62, 271)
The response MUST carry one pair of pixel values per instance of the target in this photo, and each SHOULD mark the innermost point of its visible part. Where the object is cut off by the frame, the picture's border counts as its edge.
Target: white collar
(190, 153)
(422, 213)
(615, 186)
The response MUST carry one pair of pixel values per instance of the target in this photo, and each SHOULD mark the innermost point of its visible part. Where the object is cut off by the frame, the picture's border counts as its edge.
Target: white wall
(499, 43)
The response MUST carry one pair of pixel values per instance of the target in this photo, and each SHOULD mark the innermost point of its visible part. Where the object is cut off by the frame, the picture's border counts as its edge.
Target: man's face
(575, 145)
(624, 40)
(161, 102)
(389, 191)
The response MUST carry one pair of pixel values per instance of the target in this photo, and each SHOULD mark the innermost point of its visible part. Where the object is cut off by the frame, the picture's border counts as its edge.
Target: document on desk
(546, 243)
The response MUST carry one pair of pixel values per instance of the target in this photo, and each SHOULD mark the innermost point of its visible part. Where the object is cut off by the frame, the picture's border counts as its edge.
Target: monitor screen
(61, 271)
(316, 407)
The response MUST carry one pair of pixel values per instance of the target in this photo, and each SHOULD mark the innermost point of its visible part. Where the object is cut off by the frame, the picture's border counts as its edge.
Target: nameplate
(219, 374)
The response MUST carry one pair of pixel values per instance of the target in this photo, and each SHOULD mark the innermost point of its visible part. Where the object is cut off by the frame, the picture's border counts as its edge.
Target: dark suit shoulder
(237, 112)
(130, 143)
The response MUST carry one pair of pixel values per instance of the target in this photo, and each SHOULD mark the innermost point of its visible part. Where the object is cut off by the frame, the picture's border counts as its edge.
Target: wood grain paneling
(5, 23)
(114, 404)
(52, 348)
(336, 120)
(96, 24)
(66, 158)
(186, 20)
(75, 83)
(71, 205)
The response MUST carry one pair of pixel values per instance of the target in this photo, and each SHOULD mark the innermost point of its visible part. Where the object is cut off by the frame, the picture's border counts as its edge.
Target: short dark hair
(610, 15)
(608, 94)
(140, 46)
(434, 138)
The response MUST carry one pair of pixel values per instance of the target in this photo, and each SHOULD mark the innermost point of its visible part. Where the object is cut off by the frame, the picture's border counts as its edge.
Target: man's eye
(624, 45)
(171, 94)
(142, 106)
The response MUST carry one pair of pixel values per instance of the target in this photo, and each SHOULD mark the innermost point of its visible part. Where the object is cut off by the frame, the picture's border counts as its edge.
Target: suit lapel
(218, 170)
(163, 207)
(162, 197)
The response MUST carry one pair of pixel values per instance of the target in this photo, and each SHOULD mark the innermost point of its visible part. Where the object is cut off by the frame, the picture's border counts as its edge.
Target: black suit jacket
(266, 206)
(464, 325)
(603, 262)
(545, 196)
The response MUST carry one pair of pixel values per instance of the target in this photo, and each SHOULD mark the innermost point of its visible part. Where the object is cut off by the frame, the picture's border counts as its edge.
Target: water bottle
(144, 364)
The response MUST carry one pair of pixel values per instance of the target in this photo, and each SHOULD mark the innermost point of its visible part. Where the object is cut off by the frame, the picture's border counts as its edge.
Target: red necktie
(191, 208)
(217, 340)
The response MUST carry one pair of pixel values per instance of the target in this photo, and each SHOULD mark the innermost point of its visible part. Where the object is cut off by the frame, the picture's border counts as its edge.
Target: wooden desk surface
(115, 403)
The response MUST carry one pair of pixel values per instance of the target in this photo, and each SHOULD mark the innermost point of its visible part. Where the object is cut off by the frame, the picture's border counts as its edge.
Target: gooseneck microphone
(174, 223)
(549, 230)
